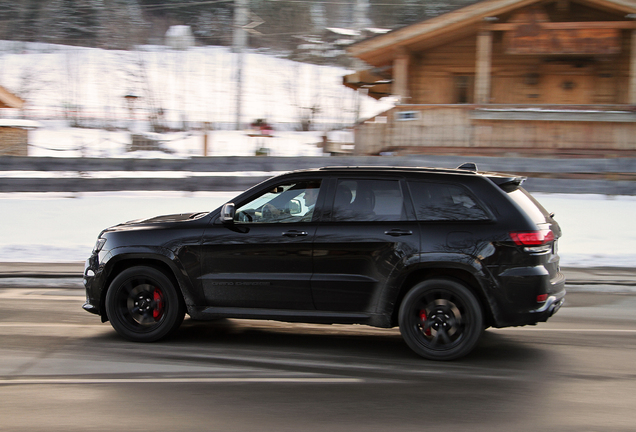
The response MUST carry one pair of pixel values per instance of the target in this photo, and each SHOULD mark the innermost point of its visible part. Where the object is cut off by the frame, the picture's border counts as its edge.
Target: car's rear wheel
(440, 319)
(143, 305)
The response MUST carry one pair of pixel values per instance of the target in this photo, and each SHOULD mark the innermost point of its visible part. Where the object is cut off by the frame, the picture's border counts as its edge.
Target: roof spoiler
(507, 184)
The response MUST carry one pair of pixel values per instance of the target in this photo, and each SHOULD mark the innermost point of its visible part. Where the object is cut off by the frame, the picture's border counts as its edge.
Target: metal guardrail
(600, 176)
(280, 163)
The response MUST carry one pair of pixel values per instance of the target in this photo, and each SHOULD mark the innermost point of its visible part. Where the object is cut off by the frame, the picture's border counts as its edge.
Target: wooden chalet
(13, 133)
(505, 77)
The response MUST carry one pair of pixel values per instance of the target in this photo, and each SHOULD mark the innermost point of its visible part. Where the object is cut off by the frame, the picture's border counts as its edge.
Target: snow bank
(57, 227)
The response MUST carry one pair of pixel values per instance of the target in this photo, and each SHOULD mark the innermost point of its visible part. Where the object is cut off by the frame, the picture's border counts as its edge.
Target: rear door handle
(398, 232)
(294, 233)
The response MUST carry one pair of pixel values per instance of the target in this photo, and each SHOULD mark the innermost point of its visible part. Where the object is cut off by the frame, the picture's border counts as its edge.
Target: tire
(143, 305)
(440, 319)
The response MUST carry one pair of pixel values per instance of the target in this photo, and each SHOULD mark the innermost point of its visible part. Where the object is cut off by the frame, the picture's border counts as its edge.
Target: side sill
(308, 316)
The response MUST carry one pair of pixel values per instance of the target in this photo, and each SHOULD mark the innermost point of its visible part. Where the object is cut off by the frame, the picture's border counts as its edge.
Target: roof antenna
(468, 166)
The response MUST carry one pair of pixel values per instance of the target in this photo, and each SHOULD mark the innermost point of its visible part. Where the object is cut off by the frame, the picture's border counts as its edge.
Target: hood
(180, 217)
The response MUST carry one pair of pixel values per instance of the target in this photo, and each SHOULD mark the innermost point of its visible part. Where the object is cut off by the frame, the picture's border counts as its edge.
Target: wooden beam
(400, 74)
(632, 71)
(434, 27)
(612, 6)
(563, 5)
(482, 68)
(569, 25)
(9, 100)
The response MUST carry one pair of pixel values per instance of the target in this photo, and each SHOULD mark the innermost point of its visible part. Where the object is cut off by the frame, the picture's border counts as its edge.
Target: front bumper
(90, 308)
(93, 293)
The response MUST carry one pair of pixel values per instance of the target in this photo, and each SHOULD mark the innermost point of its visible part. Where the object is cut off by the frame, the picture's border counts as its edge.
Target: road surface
(62, 370)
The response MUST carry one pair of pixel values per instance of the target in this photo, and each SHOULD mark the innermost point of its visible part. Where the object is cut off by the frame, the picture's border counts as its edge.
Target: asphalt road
(62, 370)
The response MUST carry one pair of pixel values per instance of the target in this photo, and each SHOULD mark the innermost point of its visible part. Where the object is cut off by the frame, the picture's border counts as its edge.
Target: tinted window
(368, 200)
(285, 203)
(529, 205)
(444, 202)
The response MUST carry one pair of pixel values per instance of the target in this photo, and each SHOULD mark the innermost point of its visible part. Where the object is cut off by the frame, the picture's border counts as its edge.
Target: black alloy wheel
(143, 304)
(440, 319)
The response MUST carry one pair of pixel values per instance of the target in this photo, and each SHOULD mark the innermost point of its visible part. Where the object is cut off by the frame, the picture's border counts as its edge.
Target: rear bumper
(522, 290)
(549, 308)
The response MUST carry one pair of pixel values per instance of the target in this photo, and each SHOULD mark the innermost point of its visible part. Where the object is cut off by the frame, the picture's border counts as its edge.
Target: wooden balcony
(501, 130)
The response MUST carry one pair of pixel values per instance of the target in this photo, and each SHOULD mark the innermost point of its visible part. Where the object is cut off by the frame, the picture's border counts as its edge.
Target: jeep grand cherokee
(441, 253)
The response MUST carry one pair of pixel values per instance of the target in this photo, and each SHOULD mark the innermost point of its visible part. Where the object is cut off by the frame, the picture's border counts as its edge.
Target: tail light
(532, 238)
(533, 241)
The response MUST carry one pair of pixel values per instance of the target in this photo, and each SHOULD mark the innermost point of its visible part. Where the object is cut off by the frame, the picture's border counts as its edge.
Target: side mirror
(227, 213)
(294, 207)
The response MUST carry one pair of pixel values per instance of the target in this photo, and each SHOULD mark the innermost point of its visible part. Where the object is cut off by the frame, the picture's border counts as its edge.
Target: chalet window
(464, 86)
(407, 115)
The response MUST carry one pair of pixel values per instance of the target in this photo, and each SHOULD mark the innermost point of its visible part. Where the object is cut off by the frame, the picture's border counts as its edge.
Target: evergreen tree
(123, 24)
(75, 22)
(15, 19)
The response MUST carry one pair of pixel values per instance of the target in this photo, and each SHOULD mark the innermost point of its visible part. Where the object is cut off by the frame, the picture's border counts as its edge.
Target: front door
(264, 258)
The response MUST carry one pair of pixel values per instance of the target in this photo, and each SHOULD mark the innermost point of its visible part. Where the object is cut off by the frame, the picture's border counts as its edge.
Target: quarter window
(444, 202)
(368, 200)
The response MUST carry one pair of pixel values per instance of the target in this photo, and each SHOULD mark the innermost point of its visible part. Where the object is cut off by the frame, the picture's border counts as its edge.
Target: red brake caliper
(157, 311)
(427, 332)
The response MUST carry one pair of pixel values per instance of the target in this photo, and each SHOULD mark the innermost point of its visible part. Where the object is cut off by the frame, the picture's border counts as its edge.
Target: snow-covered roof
(9, 100)
(179, 30)
(343, 31)
(378, 30)
(344, 42)
(180, 37)
(310, 46)
(19, 123)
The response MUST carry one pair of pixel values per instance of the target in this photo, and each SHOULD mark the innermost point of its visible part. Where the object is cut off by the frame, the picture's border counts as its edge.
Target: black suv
(443, 253)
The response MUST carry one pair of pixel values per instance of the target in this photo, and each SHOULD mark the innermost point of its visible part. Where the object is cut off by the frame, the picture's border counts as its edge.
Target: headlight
(99, 245)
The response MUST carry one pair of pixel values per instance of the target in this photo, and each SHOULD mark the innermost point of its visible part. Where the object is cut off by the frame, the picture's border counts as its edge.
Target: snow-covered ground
(597, 230)
(55, 139)
(113, 94)
(192, 86)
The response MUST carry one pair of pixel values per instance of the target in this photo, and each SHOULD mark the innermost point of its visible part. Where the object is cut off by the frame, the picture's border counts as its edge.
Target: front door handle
(294, 233)
(398, 232)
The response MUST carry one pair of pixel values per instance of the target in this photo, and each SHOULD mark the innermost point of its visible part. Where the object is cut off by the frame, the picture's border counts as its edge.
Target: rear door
(368, 235)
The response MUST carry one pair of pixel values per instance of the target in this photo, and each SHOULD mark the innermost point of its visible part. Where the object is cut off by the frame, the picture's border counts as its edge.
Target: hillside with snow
(197, 85)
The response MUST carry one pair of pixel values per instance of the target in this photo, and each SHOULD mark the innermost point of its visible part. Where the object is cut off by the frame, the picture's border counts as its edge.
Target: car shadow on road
(494, 349)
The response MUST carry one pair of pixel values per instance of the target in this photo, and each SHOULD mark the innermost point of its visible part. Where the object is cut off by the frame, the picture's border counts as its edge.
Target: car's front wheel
(143, 305)
(440, 319)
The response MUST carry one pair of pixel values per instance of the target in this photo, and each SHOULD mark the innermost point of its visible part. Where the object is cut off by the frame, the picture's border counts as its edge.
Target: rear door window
(368, 200)
(445, 202)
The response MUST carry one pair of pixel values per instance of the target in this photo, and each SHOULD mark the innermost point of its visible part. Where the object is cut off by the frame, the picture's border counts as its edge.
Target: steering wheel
(244, 217)
(266, 212)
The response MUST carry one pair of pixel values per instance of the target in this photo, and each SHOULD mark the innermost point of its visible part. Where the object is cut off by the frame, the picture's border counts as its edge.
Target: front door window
(286, 203)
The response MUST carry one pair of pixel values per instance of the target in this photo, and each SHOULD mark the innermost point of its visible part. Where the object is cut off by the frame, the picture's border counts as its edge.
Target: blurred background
(106, 102)
(113, 110)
